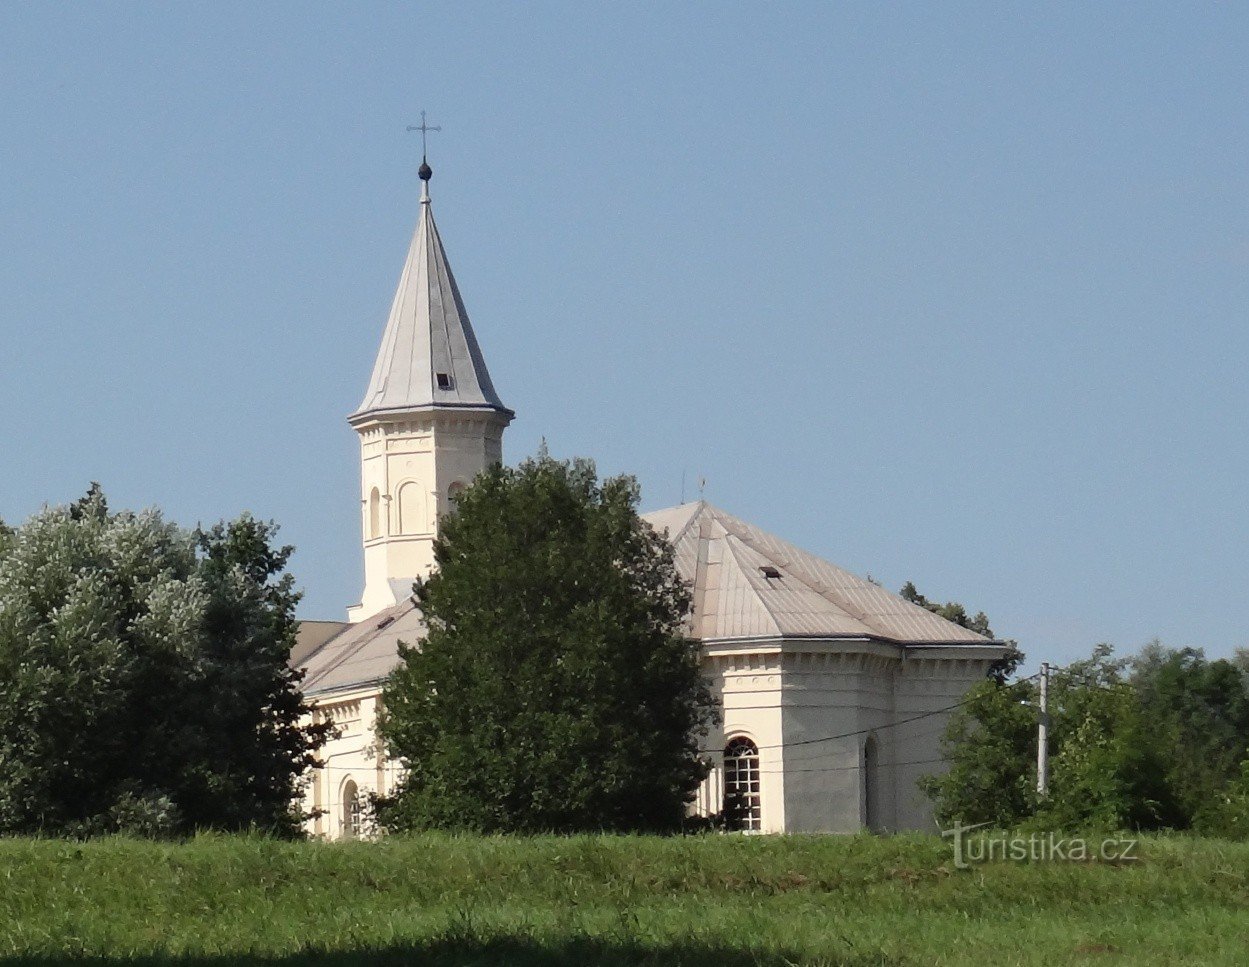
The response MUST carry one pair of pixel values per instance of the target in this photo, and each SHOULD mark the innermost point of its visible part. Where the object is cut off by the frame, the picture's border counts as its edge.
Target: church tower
(430, 421)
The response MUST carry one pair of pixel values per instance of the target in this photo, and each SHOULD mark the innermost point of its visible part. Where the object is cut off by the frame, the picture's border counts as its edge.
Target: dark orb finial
(425, 172)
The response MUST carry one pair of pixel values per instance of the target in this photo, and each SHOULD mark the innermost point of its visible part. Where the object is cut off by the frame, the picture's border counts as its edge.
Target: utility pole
(1042, 735)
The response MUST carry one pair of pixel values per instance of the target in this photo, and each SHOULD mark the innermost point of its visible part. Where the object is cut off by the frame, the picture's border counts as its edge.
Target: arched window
(412, 517)
(743, 808)
(351, 810)
(453, 495)
(871, 785)
(375, 514)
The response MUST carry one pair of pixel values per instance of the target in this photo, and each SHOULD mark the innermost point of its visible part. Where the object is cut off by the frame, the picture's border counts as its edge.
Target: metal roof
(365, 652)
(429, 355)
(746, 583)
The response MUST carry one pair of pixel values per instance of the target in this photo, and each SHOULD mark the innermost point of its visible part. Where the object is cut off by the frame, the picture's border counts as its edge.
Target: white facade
(834, 691)
(791, 701)
(843, 687)
(412, 465)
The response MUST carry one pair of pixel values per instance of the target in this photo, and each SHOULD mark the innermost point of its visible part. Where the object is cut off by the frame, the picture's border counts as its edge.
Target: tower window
(375, 513)
(413, 516)
(453, 494)
(444, 380)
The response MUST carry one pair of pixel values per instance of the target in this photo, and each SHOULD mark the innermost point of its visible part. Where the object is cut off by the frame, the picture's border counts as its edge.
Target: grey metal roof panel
(793, 607)
(364, 652)
(310, 636)
(427, 334)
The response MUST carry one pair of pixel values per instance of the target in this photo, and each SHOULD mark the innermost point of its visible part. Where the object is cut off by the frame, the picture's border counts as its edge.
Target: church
(834, 691)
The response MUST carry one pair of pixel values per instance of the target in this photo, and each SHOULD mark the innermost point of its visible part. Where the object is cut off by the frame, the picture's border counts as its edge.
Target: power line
(842, 735)
(765, 772)
(879, 728)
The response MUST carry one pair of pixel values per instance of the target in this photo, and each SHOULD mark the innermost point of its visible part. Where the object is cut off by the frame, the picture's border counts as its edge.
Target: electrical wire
(879, 728)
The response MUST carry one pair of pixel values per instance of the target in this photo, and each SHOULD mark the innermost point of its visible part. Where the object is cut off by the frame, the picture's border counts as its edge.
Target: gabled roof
(748, 583)
(429, 355)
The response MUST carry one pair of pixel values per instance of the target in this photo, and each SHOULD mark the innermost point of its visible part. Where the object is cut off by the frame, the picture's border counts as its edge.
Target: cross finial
(424, 129)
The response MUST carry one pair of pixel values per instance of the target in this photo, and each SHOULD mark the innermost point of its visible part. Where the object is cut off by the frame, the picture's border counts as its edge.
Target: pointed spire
(429, 357)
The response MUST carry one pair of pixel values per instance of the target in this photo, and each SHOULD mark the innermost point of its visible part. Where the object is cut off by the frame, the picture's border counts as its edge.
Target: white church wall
(829, 692)
(748, 684)
(352, 755)
(780, 702)
(928, 684)
(466, 446)
(410, 466)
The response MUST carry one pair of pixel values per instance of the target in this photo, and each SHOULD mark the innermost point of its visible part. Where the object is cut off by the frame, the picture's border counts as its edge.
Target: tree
(1240, 661)
(1107, 768)
(990, 745)
(1226, 812)
(1198, 712)
(144, 683)
(555, 690)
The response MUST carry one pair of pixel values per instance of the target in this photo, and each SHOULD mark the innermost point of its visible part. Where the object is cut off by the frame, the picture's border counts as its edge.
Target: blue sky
(950, 293)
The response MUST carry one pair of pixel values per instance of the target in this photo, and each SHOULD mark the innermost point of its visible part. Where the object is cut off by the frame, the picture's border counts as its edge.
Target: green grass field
(722, 901)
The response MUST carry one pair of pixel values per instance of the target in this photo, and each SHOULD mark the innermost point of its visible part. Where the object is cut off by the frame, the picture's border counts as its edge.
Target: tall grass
(723, 901)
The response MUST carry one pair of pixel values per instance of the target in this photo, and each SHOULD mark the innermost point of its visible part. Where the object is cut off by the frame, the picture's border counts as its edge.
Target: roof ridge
(698, 511)
(776, 623)
(802, 574)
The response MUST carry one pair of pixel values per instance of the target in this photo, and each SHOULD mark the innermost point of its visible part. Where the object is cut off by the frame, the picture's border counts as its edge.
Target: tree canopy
(1156, 741)
(555, 690)
(144, 683)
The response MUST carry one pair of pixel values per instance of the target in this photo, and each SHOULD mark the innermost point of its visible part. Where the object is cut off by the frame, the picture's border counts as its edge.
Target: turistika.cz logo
(1042, 847)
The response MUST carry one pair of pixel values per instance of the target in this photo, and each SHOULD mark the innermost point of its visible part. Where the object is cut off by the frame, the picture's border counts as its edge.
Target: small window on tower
(444, 380)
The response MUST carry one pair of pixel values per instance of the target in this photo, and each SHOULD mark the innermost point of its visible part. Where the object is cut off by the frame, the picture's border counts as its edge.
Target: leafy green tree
(1198, 712)
(555, 689)
(1107, 769)
(1240, 659)
(990, 744)
(144, 683)
(1226, 812)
